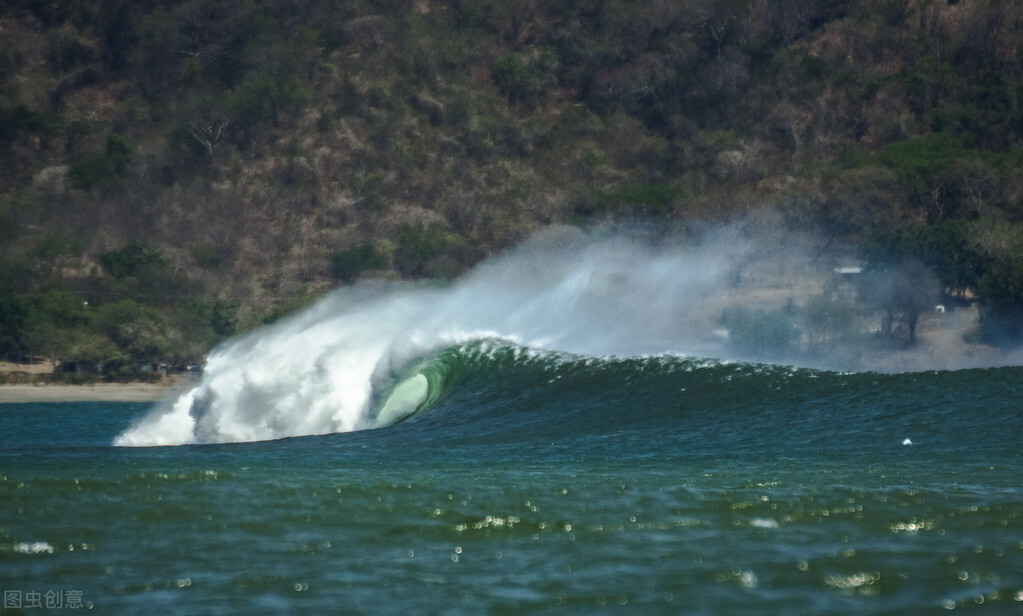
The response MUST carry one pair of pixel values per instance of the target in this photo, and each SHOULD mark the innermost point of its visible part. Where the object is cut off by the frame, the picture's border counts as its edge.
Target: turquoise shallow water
(535, 483)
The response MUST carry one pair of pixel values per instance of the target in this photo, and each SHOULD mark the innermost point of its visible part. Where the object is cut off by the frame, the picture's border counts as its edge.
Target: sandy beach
(92, 392)
(99, 392)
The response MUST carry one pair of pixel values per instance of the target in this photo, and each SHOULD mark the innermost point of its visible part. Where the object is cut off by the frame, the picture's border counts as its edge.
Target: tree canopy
(213, 161)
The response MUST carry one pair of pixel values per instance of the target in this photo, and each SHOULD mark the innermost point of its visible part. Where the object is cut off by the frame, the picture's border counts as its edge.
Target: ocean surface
(539, 483)
(543, 437)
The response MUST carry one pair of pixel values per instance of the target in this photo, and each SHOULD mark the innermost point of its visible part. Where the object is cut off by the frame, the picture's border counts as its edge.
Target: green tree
(828, 319)
(899, 295)
(762, 333)
(103, 171)
(57, 322)
(139, 272)
(428, 250)
(346, 265)
(60, 307)
(140, 331)
(1001, 301)
(13, 315)
(55, 251)
(923, 163)
(944, 246)
(131, 260)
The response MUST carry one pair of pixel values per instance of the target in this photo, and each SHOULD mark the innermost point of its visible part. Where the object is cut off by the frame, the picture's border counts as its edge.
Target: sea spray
(311, 374)
(317, 372)
(352, 361)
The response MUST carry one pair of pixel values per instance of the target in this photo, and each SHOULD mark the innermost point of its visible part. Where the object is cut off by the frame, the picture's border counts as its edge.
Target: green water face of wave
(498, 391)
(497, 365)
(417, 389)
(419, 386)
(406, 398)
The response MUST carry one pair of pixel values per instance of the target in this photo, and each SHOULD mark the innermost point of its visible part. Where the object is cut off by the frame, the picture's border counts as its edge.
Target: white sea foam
(34, 547)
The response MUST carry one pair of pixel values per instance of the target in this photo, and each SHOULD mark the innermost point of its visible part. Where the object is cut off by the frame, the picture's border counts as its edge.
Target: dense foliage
(175, 171)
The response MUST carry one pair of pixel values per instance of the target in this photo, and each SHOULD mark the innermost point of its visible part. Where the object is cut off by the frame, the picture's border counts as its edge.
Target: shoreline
(97, 392)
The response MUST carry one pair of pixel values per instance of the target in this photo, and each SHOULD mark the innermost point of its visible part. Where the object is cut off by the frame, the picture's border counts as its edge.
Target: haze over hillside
(178, 171)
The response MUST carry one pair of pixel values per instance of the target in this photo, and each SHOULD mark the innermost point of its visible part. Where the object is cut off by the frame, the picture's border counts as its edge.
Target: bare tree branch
(207, 131)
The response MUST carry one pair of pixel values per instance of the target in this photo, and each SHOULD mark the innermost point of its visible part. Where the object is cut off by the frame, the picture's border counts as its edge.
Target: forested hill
(175, 171)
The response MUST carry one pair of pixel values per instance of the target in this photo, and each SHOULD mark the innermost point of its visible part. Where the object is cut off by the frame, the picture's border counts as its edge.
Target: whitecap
(35, 547)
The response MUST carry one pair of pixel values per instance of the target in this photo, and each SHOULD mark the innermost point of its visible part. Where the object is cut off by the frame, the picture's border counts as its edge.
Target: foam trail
(317, 372)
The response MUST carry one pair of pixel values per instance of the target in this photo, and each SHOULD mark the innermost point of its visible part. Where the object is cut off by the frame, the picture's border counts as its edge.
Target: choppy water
(539, 483)
(542, 437)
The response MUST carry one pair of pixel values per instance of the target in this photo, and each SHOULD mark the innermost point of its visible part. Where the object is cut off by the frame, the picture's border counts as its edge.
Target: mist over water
(610, 293)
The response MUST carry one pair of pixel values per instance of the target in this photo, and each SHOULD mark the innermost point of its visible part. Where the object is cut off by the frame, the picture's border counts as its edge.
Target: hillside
(178, 171)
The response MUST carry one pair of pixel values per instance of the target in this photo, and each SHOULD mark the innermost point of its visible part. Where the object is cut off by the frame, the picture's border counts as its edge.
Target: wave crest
(371, 355)
(318, 372)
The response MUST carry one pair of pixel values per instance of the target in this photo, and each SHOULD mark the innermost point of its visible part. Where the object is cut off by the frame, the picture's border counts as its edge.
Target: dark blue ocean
(543, 484)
